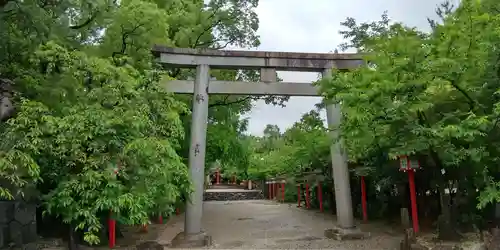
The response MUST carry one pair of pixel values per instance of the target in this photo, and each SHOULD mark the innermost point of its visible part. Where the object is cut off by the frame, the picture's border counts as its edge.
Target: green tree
(303, 147)
(92, 119)
(426, 95)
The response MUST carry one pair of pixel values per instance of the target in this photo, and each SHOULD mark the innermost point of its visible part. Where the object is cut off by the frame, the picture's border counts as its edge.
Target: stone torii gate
(267, 63)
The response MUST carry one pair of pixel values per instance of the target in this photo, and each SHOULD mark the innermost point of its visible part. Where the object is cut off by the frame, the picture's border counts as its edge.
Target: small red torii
(275, 186)
(309, 179)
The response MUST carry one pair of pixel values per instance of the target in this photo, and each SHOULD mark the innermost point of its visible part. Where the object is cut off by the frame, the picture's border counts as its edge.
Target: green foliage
(93, 123)
(424, 94)
(302, 148)
(78, 129)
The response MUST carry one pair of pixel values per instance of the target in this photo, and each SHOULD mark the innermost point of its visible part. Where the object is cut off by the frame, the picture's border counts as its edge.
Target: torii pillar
(267, 63)
(340, 170)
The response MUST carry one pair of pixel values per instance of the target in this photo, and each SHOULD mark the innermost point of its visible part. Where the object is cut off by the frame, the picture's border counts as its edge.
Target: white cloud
(301, 26)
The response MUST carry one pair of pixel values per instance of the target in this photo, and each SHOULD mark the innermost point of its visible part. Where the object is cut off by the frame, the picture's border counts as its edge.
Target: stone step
(226, 186)
(232, 195)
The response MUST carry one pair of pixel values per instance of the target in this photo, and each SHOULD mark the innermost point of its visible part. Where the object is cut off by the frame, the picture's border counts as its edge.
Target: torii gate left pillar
(267, 63)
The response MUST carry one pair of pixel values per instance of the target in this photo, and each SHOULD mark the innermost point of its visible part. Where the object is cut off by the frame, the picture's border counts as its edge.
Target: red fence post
(413, 198)
(283, 191)
(112, 230)
(308, 205)
(217, 177)
(275, 189)
(411, 165)
(269, 190)
(272, 190)
(363, 199)
(271, 185)
(298, 195)
(111, 221)
(320, 196)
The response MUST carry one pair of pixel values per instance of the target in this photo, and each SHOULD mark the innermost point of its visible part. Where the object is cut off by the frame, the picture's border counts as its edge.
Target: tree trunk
(497, 215)
(72, 239)
(446, 229)
(6, 105)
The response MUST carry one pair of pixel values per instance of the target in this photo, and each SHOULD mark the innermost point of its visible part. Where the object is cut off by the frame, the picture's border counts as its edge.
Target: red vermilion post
(177, 211)
(283, 191)
(308, 205)
(272, 190)
(407, 165)
(271, 186)
(413, 199)
(320, 196)
(298, 195)
(160, 219)
(275, 193)
(111, 221)
(112, 231)
(269, 189)
(363, 199)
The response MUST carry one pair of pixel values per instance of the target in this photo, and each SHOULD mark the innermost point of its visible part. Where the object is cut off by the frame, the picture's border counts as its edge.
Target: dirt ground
(263, 224)
(266, 224)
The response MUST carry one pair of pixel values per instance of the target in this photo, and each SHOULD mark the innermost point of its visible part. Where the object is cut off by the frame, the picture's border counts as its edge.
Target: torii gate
(267, 62)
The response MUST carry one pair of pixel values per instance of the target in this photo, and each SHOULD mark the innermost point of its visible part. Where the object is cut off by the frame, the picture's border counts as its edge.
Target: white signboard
(403, 163)
(414, 164)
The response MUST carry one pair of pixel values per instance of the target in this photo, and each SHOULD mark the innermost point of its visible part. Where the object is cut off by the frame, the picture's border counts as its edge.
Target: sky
(313, 26)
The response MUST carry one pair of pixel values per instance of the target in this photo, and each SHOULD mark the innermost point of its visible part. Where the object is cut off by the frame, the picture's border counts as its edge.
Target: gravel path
(262, 224)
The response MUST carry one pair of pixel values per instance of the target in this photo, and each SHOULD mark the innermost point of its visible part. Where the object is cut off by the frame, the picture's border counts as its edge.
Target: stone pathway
(263, 224)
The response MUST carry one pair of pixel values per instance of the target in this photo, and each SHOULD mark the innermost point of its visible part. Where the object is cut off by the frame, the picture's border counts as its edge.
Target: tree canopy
(88, 127)
(429, 94)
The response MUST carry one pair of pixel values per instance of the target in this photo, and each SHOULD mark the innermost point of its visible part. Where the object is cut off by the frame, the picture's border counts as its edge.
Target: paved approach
(263, 224)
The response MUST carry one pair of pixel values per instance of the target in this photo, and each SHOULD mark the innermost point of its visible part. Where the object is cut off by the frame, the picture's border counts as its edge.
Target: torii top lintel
(239, 59)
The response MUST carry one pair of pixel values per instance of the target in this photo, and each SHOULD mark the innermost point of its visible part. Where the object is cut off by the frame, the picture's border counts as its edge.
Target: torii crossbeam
(268, 63)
